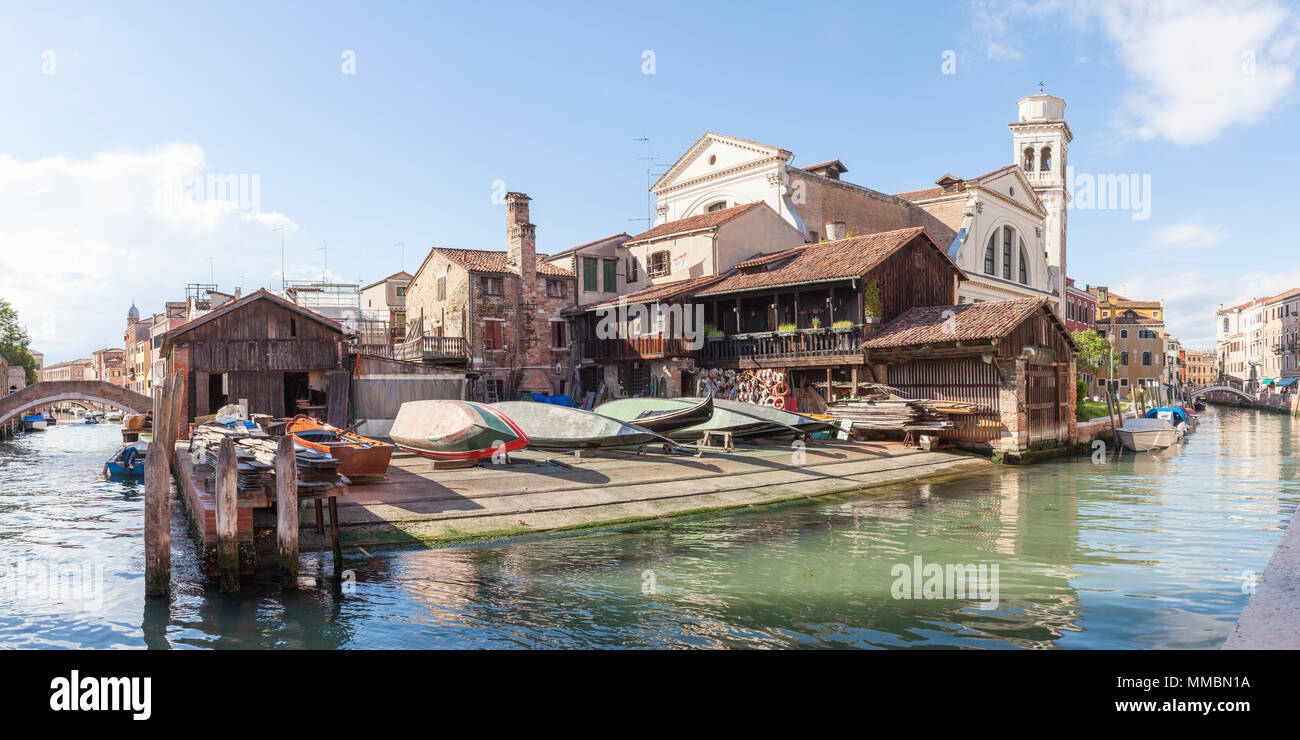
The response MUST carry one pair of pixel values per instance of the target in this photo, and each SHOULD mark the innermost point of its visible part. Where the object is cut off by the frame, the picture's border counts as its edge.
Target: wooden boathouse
(281, 358)
(804, 312)
(1015, 359)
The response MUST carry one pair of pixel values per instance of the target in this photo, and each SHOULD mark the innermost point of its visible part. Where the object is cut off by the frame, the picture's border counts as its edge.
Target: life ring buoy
(778, 402)
(781, 389)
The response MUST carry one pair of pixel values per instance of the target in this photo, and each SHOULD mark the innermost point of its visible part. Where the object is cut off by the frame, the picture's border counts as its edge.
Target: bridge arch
(1221, 389)
(47, 392)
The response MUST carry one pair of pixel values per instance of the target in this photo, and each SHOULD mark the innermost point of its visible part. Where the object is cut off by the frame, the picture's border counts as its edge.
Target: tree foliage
(14, 341)
(1094, 352)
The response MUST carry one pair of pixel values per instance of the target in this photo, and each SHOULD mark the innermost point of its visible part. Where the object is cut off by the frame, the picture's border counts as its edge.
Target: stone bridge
(47, 392)
(1221, 389)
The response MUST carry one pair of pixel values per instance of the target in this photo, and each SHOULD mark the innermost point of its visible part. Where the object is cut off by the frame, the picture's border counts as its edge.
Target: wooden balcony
(642, 348)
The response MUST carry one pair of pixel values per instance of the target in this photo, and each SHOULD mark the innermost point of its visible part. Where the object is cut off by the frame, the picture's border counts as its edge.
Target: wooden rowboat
(800, 422)
(455, 430)
(359, 457)
(550, 426)
(665, 417)
(722, 420)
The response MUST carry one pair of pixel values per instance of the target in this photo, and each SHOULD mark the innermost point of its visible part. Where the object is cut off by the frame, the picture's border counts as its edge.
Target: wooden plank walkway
(419, 505)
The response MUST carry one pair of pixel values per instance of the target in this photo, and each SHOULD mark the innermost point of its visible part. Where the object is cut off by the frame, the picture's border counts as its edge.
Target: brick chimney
(521, 239)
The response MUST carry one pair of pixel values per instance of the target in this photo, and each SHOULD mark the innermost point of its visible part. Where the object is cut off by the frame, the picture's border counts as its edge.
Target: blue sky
(448, 99)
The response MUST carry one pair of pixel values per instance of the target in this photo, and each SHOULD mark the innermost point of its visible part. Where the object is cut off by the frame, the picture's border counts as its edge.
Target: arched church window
(716, 206)
(1029, 159)
(1007, 235)
(1045, 160)
(1024, 265)
(988, 254)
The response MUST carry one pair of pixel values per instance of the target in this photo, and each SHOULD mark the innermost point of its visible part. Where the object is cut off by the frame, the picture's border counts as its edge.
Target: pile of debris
(255, 456)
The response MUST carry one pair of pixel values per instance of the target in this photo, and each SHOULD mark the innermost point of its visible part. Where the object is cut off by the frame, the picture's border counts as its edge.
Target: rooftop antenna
(282, 281)
(325, 255)
(1041, 85)
(649, 181)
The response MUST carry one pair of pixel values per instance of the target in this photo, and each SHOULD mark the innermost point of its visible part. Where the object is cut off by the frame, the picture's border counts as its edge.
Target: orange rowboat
(359, 457)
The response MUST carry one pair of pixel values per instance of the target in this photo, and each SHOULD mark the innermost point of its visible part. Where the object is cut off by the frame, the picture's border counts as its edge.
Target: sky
(144, 146)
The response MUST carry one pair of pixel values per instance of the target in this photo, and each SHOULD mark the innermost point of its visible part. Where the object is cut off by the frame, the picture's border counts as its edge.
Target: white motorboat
(1145, 435)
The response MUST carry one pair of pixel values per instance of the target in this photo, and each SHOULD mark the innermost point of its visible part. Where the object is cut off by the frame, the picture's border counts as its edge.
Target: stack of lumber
(886, 414)
(883, 407)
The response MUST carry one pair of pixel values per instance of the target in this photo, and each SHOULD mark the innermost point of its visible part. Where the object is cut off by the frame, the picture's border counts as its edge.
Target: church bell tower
(1041, 147)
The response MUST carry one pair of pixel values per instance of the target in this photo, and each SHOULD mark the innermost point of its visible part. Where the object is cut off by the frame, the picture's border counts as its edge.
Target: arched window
(1029, 159)
(1146, 358)
(1007, 235)
(1045, 160)
(1024, 266)
(716, 206)
(988, 254)
(1123, 358)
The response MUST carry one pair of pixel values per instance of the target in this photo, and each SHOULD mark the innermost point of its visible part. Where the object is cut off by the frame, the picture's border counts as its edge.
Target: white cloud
(1197, 67)
(1187, 236)
(81, 238)
(998, 52)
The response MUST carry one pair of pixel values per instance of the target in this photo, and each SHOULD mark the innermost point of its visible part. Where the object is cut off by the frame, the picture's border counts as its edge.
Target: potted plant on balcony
(872, 310)
(842, 326)
(787, 329)
(713, 333)
(816, 325)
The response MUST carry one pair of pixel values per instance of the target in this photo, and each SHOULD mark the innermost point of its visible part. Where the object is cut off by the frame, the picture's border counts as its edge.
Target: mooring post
(227, 500)
(286, 510)
(157, 507)
(176, 414)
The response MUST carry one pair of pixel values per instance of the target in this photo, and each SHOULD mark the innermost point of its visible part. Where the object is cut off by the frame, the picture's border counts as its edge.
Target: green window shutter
(611, 276)
(589, 274)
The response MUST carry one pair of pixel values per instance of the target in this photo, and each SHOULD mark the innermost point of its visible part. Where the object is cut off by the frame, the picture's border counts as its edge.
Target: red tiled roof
(657, 293)
(483, 260)
(935, 192)
(764, 259)
(966, 322)
(563, 252)
(843, 258)
(708, 220)
(261, 294)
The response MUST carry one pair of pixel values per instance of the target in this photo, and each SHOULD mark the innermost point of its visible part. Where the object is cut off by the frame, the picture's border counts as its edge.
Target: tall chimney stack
(521, 239)
(836, 230)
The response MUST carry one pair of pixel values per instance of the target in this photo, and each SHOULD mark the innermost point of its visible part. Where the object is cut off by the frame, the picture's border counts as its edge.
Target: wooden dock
(420, 505)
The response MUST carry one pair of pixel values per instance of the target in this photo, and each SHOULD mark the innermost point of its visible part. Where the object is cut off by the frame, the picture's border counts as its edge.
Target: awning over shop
(1267, 381)
(1285, 382)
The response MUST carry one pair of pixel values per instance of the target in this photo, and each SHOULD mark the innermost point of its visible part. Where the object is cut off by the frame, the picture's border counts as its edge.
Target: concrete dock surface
(420, 505)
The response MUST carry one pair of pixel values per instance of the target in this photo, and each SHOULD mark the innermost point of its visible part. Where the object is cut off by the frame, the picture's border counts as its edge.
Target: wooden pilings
(227, 505)
(286, 511)
(157, 495)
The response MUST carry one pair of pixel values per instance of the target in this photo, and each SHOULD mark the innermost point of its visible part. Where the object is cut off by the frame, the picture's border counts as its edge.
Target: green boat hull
(724, 420)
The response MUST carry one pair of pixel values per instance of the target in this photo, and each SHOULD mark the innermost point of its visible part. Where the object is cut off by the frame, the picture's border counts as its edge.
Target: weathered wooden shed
(1015, 359)
(282, 358)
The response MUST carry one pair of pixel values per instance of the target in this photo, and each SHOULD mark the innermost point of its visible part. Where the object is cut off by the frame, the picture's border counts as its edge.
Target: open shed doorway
(297, 387)
(216, 391)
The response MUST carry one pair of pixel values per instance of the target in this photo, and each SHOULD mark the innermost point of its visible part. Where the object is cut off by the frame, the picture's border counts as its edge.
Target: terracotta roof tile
(661, 292)
(708, 220)
(966, 322)
(843, 258)
(483, 260)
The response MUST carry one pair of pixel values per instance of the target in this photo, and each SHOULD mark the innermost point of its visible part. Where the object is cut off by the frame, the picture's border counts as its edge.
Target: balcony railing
(768, 346)
(424, 349)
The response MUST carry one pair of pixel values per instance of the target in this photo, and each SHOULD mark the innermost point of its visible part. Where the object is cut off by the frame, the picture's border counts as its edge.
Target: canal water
(1146, 552)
